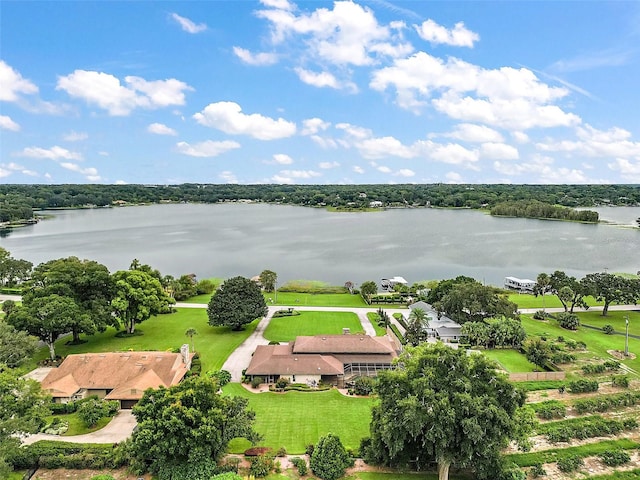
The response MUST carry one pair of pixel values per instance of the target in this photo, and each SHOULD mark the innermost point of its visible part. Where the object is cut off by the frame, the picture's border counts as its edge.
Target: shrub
(540, 315)
(583, 386)
(257, 381)
(309, 449)
(92, 411)
(608, 329)
(329, 459)
(550, 409)
(300, 464)
(103, 477)
(593, 368)
(256, 451)
(282, 452)
(614, 458)
(567, 320)
(538, 471)
(602, 403)
(221, 376)
(364, 385)
(261, 466)
(282, 382)
(620, 381)
(571, 344)
(563, 357)
(612, 365)
(570, 463)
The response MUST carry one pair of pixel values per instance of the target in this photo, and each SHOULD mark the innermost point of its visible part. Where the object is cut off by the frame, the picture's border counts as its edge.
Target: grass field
(295, 419)
(510, 360)
(373, 319)
(525, 300)
(285, 329)
(163, 333)
(293, 298)
(597, 342)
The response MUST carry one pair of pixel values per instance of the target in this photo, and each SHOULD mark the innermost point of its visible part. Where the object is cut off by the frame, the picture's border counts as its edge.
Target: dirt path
(554, 394)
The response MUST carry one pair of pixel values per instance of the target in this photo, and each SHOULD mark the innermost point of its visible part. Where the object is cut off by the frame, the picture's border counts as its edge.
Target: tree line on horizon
(17, 202)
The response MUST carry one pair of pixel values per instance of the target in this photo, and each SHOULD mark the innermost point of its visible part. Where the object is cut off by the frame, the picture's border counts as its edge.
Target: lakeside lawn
(527, 300)
(163, 333)
(597, 342)
(296, 419)
(304, 299)
(286, 329)
(510, 360)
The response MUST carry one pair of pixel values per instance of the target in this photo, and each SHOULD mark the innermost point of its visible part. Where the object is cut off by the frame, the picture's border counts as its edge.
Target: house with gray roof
(441, 328)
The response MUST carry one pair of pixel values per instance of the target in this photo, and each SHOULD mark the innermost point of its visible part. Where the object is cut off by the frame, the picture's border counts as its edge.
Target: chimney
(186, 357)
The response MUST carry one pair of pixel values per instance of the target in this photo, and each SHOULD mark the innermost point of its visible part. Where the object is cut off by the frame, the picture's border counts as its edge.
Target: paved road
(117, 430)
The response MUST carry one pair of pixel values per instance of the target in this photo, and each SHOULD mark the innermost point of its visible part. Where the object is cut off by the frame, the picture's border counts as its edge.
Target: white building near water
(389, 283)
(523, 285)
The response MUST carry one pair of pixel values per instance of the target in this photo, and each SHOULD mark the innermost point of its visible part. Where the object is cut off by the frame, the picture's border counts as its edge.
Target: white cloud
(383, 169)
(6, 123)
(405, 172)
(358, 169)
(121, 182)
(188, 25)
(328, 165)
(75, 136)
(4, 173)
(282, 159)
(14, 167)
(13, 84)
(452, 153)
(208, 148)
(469, 132)
(106, 91)
(498, 151)
(453, 177)
(541, 169)
(314, 125)
(591, 142)
(324, 142)
(228, 117)
(289, 176)
(90, 173)
(628, 170)
(103, 153)
(520, 137)
(281, 4)
(256, 59)
(161, 129)
(372, 148)
(53, 153)
(228, 177)
(320, 80)
(458, 36)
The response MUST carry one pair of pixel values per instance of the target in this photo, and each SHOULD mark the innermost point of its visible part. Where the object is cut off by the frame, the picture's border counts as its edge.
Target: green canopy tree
(473, 302)
(445, 406)
(368, 288)
(268, 279)
(569, 291)
(237, 302)
(13, 271)
(86, 282)
(46, 318)
(138, 296)
(16, 346)
(609, 288)
(23, 406)
(183, 430)
(542, 287)
(416, 332)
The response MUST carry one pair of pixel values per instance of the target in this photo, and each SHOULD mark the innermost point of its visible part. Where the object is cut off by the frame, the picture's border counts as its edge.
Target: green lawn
(77, 426)
(294, 298)
(614, 318)
(525, 300)
(597, 342)
(373, 319)
(285, 329)
(163, 333)
(295, 419)
(510, 360)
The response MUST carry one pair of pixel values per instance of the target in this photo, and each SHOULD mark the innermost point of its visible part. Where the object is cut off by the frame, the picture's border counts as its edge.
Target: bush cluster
(589, 427)
(614, 458)
(620, 381)
(583, 386)
(608, 329)
(563, 357)
(53, 454)
(609, 365)
(570, 463)
(540, 315)
(550, 409)
(603, 403)
(567, 320)
(300, 464)
(537, 471)
(364, 385)
(257, 381)
(261, 466)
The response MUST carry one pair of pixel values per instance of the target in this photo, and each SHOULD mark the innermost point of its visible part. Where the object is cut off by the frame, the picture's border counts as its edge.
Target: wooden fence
(536, 376)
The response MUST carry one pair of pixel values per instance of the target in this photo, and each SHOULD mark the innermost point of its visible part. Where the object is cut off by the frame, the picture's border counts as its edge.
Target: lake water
(225, 240)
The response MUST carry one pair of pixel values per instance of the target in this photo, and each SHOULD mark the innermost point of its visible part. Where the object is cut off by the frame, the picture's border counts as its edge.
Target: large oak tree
(237, 302)
(447, 407)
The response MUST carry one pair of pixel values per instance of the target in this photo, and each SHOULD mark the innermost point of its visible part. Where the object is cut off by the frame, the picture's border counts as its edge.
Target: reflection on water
(304, 243)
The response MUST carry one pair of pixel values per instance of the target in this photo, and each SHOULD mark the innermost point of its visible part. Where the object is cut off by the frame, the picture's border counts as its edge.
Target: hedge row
(583, 428)
(603, 403)
(53, 454)
(583, 386)
(550, 409)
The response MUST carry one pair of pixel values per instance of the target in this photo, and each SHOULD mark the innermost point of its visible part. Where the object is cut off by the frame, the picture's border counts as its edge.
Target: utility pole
(626, 340)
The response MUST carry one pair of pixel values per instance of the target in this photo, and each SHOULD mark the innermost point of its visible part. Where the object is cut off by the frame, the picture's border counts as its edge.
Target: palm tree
(190, 333)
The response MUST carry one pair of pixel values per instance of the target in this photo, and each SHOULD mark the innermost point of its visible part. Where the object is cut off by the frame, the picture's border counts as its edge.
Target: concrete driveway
(118, 430)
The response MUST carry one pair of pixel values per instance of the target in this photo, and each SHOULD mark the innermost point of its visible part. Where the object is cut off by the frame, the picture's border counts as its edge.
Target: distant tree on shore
(368, 288)
(236, 303)
(268, 279)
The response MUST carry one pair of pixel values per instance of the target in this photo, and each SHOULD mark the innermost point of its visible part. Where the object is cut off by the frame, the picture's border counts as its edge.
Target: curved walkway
(117, 430)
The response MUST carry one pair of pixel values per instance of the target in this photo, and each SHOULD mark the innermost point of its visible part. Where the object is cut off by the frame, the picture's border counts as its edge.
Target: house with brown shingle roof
(333, 359)
(122, 376)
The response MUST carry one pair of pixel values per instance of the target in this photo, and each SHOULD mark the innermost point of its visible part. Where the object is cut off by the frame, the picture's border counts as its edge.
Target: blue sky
(319, 92)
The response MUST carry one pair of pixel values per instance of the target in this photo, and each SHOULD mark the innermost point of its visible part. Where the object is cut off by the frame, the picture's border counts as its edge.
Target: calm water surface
(303, 243)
